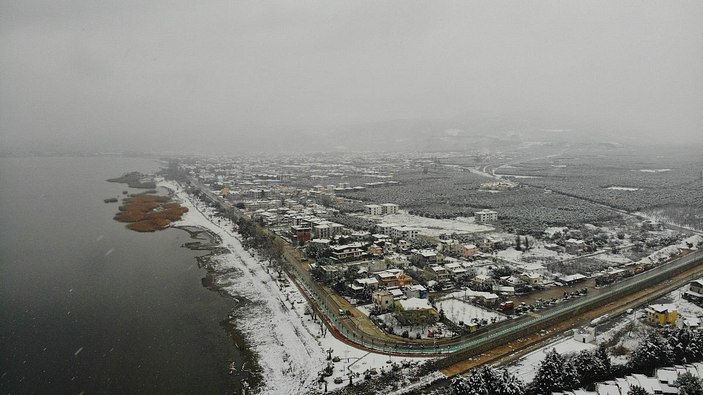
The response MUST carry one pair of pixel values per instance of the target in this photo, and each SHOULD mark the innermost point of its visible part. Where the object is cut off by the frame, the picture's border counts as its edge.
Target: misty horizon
(277, 76)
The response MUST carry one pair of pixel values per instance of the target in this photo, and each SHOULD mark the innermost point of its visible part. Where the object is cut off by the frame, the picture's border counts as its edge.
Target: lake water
(87, 305)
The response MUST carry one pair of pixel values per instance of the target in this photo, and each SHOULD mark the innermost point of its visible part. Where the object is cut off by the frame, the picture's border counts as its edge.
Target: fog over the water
(221, 76)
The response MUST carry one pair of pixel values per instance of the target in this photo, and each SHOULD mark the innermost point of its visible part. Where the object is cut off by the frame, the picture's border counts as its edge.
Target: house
(696, 286)
(376, 265)
(373, 209)
(375, 249)
(485, 216)
(397, 293)
(652, 225)
(428, 257)
(450, 246)
(393, 278)
(300, 234)
(370, 283)
(482, 279)
(662, 314)
(531, 278)
(438, 273)
(456, 269)
(572, 279)
(389, 208)
(503, 290)
(404, 232)
(383, 300)
(415, 311)
(688, 322)
(585, 335)
(403, 244)
(347, 252)
(415, 291)
(468, 250)
(484, 298)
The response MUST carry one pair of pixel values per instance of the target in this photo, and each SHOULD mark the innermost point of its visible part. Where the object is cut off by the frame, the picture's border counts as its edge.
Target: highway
(504, 330)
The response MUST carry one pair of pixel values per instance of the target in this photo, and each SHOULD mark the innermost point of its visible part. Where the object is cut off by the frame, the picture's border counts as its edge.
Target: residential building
(428, 257)
(572, 279)
(301, 234)
(531, 278)
(389, 208)
(482, 279)
(375, 249)
(383, 299)
(485, 216)
(403, 232)
(394, 278)
(415, 291)
(347, 252)
(373, 209)
(468, 250)
(415, 311)
(662, 314)
(370, 283)
(439, 273)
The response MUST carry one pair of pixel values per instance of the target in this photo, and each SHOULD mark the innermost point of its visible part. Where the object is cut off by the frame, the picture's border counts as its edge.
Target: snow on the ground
(526, 367)
(458, 310)
(432, 226)
(289, 345)
(613, 258)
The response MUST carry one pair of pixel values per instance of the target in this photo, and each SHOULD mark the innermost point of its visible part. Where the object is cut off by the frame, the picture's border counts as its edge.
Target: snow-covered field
(526, 367)
(625, 331)
(289, 344)
(432, 226)
(458, 310)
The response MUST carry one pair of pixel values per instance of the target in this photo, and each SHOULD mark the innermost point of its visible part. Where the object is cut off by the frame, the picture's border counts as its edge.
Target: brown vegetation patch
(149, 213)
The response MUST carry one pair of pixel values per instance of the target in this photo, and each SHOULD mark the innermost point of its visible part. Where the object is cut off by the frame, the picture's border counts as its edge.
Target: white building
(373, 209)
(403, 232)
(484, 216)
(389, 208)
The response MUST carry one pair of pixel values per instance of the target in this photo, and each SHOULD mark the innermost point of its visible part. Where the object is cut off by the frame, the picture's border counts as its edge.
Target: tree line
(659, 348)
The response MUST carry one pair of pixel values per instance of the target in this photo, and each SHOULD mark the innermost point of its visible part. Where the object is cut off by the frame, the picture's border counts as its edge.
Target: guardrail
(513, 330)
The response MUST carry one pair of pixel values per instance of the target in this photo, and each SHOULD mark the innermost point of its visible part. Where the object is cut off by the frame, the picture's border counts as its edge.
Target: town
(410, 254)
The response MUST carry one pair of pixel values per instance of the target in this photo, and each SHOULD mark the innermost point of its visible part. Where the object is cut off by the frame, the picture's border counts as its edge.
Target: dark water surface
(87, 305)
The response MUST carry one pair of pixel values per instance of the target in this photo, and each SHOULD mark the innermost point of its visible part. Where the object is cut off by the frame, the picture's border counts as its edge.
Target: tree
(652, 352)
(637, 390)
(488, 381)
(688, 384)
(555, 373)
(517, 243)
(592, 366)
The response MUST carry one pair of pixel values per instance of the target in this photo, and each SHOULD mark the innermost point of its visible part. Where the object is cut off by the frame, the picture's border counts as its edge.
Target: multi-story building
(485, 216)
(373, 209)
(389, 208)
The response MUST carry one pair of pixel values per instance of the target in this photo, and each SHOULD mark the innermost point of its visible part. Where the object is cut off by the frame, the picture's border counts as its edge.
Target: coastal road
(514, 334)
(654, 282)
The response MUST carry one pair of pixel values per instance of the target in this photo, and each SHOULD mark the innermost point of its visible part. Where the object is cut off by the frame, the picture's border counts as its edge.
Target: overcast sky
(114, 75)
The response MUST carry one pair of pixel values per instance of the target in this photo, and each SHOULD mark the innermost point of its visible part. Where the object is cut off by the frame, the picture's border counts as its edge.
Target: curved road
(345, 329)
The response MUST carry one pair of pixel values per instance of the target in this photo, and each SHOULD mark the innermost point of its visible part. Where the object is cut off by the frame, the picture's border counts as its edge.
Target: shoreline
(290, 344)
(233, 272)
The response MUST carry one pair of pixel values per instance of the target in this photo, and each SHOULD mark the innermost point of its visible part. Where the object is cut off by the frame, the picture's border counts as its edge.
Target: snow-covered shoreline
(289, 345)
(290, 357)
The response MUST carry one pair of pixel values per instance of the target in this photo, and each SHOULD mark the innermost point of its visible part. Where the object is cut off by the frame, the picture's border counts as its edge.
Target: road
(361, 333)
(351, 332)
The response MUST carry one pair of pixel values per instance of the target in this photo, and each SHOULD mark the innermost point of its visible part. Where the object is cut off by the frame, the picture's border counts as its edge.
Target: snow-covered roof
(573, 277)
(662, 308)
(415, 304)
